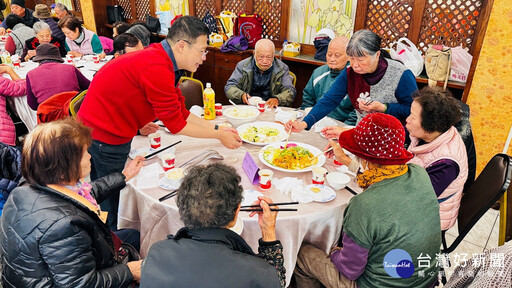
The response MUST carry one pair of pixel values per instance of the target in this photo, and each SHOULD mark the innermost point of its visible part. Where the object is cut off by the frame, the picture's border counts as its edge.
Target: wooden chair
(192, 89)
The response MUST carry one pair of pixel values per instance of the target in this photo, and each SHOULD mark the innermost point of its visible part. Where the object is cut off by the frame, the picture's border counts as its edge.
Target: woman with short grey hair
(373, 83)
(43, 36)
(206, 253)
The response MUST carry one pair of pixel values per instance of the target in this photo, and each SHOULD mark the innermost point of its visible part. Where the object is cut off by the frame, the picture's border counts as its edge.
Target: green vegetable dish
(261, 134)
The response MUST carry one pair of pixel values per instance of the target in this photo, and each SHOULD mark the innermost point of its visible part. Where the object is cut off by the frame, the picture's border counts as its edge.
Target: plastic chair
(294, 78)
(192, 89)
(54, 108)
(488, 188)
(76, 102)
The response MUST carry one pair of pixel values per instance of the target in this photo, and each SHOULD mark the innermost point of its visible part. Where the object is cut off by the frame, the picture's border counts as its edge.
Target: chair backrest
(76, 102)
(464, 129)
(54, 108)
(488, 188)
(294, 77)
(192, 89)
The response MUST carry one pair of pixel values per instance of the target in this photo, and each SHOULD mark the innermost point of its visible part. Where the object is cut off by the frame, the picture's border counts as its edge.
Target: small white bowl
(255, 100)
(251, 113)
(337, 180)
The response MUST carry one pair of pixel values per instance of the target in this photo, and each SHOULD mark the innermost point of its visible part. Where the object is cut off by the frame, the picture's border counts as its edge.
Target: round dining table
(316, 223)
(19, 104)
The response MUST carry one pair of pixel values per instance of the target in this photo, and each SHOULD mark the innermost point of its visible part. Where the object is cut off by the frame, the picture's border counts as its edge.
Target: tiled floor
(483, 236)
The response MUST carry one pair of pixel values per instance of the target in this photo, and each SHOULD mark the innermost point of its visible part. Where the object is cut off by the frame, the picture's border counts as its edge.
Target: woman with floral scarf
(390, 226)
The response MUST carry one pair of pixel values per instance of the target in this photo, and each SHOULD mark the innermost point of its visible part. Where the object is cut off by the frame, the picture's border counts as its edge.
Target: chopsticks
(270, 204)
(257, 208)
(271, 209)
(294, 117)
(163, 149)
(321, 153)
(350, 190)
(169, 195)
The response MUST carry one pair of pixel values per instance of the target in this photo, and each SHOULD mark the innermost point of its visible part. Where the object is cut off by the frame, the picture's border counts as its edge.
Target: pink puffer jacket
(448, 145)
(9, 88)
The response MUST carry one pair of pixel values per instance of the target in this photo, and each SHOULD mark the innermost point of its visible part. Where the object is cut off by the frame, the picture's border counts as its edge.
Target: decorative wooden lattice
(270, 11)
(389, 19)
(449, 22)
(76, 4)
(127, 7)
(235, 6)
(205, 5)
(142, 8)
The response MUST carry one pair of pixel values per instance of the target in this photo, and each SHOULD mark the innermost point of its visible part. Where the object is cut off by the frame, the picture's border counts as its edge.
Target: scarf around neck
(378, 174)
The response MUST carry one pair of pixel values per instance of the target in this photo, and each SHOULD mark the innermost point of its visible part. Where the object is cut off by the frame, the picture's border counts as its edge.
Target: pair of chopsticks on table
(161, 150)
(257, 208)
(169, 195)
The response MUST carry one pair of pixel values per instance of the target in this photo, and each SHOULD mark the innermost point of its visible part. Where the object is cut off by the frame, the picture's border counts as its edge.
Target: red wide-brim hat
(378, 138)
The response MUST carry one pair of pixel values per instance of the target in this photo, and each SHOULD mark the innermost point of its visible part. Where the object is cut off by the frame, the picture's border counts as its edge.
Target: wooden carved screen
(235, 6)
(271, 12)
(135, 9)
(389, 19)
(449, 22)
(205, 5)
(77, 7)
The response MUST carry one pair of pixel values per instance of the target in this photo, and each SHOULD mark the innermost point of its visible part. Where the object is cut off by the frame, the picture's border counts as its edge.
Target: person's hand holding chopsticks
(266, 219)
(295, 126)
(338, 153)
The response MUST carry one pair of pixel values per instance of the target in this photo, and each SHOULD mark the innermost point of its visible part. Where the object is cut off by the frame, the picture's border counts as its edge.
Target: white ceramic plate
(315, 151)
(239, 226)
(280, 137)
(324, 194)
(170, 184)
(141, 152)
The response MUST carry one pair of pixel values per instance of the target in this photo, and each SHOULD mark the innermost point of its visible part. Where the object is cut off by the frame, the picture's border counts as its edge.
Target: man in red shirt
(138, 87)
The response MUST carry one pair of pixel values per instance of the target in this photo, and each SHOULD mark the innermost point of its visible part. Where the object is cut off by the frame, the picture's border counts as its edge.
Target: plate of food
(238, 228)
(143, 151)
(262, 133)
(320, 193)
(172, 179)
(296, 157)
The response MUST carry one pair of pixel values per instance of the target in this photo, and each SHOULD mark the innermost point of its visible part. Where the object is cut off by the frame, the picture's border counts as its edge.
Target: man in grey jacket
(261, 75)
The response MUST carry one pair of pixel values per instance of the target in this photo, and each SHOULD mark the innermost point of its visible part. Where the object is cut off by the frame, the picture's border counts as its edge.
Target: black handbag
(115, 14)
(153, 24)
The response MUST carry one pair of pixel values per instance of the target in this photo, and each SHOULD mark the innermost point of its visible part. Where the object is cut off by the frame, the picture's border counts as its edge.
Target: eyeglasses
(203, 53)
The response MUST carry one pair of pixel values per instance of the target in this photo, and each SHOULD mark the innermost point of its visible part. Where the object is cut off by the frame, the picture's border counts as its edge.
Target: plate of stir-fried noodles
(296, 157)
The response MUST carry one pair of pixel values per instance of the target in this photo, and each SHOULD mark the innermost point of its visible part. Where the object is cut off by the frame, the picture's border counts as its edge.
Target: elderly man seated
(205, 253)
(18, 8)
(261, 75)
(323, 77)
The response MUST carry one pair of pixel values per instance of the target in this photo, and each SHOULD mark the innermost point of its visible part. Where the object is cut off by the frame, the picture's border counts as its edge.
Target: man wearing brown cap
(18, 8)
(43, 13)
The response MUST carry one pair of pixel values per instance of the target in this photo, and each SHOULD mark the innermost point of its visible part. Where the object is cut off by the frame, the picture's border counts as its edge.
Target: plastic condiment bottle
(209, 102)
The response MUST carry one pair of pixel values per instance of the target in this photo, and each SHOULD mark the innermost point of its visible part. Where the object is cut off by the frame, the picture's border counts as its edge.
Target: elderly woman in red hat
(388, 228)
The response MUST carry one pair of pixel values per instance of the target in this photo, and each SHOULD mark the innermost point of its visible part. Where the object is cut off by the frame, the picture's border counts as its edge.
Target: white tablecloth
(26, 114)
(315, 223)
